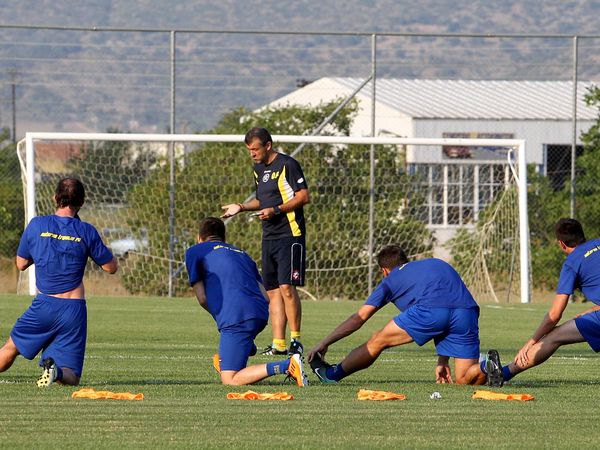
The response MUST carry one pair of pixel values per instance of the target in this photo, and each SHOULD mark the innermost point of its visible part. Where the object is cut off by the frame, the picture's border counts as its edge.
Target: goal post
(416, 196)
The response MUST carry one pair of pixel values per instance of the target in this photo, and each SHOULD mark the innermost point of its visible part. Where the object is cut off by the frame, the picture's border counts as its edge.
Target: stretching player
(56, 322)
(436, 305)
(581, 270)
(227, 284)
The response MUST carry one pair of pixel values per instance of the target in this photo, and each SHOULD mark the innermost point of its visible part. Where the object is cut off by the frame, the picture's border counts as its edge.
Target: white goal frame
(518, 144)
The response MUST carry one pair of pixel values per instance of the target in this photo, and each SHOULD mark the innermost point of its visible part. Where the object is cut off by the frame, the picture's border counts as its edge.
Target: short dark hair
(211, 227)
(569, 231)
(258, 133)
(69, 192)
(391, 256)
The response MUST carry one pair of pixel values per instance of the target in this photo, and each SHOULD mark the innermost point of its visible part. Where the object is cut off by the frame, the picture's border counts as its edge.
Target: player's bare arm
(549, 322)
(200, 292)
(235, 208)
(22, 263)
(594, 308)
(300, 199)
(346, 328)
(443, 373)
(111, 266)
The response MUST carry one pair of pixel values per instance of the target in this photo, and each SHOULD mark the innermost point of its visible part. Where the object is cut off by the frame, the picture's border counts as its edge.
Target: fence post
(372, 160)
(574, 137)
(172, 170)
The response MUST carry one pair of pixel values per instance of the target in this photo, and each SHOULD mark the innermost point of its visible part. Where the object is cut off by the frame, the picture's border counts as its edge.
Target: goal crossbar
(518, 144)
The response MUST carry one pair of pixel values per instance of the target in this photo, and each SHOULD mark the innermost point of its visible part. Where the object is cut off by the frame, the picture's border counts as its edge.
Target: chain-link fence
(11, 212)
(129, 201)
(67, 79)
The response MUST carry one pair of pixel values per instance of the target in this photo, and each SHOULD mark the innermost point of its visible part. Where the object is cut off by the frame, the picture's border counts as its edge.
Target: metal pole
(574, 137)
(30, 187)
(172, 170)
(372, 161)
(523, 225)
(14, 106)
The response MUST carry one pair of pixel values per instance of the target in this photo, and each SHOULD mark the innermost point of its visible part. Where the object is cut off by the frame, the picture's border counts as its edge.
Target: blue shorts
(55, 325)
(283, 262)
(589, 327)
(455, 332)
(237, 343)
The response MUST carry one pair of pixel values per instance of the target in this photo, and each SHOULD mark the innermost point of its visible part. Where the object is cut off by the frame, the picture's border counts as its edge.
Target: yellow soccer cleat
(49, 373)
(217, 362)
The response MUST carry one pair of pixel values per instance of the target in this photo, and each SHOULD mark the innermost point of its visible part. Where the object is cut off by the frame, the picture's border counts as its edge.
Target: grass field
(163, 349)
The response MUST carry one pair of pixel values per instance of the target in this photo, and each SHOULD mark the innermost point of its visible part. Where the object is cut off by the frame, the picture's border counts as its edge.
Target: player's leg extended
(8, 354)
(363, 356)
(237, 344)
(567, 333)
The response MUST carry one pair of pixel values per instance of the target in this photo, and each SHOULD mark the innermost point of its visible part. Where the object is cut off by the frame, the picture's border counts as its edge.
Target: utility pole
(13, 75)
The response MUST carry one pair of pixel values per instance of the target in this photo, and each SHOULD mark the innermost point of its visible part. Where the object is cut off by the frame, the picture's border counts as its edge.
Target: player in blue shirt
(227, 284)
(435, 304)
(56, 322)
(581, 270)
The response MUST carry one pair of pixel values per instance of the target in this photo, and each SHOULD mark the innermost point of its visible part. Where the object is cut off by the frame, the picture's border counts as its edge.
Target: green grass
(163, 348)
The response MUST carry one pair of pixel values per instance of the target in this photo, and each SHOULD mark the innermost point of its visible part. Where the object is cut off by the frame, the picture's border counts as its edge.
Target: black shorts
(283, 262)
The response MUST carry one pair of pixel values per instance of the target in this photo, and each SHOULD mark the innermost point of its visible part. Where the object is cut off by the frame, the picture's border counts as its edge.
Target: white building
(462, 180)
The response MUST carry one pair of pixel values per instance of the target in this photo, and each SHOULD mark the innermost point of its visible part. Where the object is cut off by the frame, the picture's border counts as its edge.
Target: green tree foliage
(113, 167)
(11, 197)
(588, 170)
(545, 207)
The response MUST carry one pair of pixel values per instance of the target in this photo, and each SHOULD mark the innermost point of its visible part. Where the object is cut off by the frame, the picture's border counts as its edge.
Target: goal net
(461, 200)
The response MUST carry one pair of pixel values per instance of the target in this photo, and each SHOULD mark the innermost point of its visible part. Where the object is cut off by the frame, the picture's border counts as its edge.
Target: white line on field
(509, 307)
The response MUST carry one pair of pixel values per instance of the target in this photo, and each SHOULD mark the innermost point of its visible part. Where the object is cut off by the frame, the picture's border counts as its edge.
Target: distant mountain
(91, 80)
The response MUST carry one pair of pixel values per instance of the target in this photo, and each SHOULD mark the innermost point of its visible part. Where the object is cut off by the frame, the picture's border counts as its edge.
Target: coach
(281, 193)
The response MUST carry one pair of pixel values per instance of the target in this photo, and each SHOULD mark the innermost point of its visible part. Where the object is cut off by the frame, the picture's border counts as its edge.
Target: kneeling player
(227, 284)
(436, 305)
(580, 270)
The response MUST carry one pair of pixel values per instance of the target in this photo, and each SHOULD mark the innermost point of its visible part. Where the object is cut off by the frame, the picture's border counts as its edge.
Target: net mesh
(463, 211)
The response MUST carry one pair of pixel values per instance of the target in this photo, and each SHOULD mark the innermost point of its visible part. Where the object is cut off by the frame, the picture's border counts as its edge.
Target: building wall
(536, 134)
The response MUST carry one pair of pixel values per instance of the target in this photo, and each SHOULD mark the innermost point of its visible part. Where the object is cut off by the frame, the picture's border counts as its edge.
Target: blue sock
(506, 374)
(279, 367)
(482, 366)
(335, 372)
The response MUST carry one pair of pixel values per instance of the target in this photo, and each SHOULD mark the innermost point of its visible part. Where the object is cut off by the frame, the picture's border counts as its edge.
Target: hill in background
(89, 81)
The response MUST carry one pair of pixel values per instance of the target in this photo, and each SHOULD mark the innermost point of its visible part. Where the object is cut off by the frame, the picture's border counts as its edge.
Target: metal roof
(465, 99)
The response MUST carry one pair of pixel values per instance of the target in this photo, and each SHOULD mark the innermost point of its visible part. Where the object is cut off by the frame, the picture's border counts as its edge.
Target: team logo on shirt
(265, 177)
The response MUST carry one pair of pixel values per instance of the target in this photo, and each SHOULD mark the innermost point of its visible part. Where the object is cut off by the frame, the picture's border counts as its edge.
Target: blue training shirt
(428, 282)
(230, 279)
(581, 270)
(60, 247)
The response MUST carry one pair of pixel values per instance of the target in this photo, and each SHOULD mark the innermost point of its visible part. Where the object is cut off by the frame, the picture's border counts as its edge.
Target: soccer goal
(463, 200)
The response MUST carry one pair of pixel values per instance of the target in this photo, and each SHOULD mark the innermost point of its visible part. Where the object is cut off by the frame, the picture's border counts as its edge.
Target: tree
(588, 165)
(113, 167)
(11, 197)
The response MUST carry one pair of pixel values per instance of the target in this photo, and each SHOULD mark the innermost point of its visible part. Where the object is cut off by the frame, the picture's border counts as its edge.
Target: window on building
(456, 193)
(558, 164)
